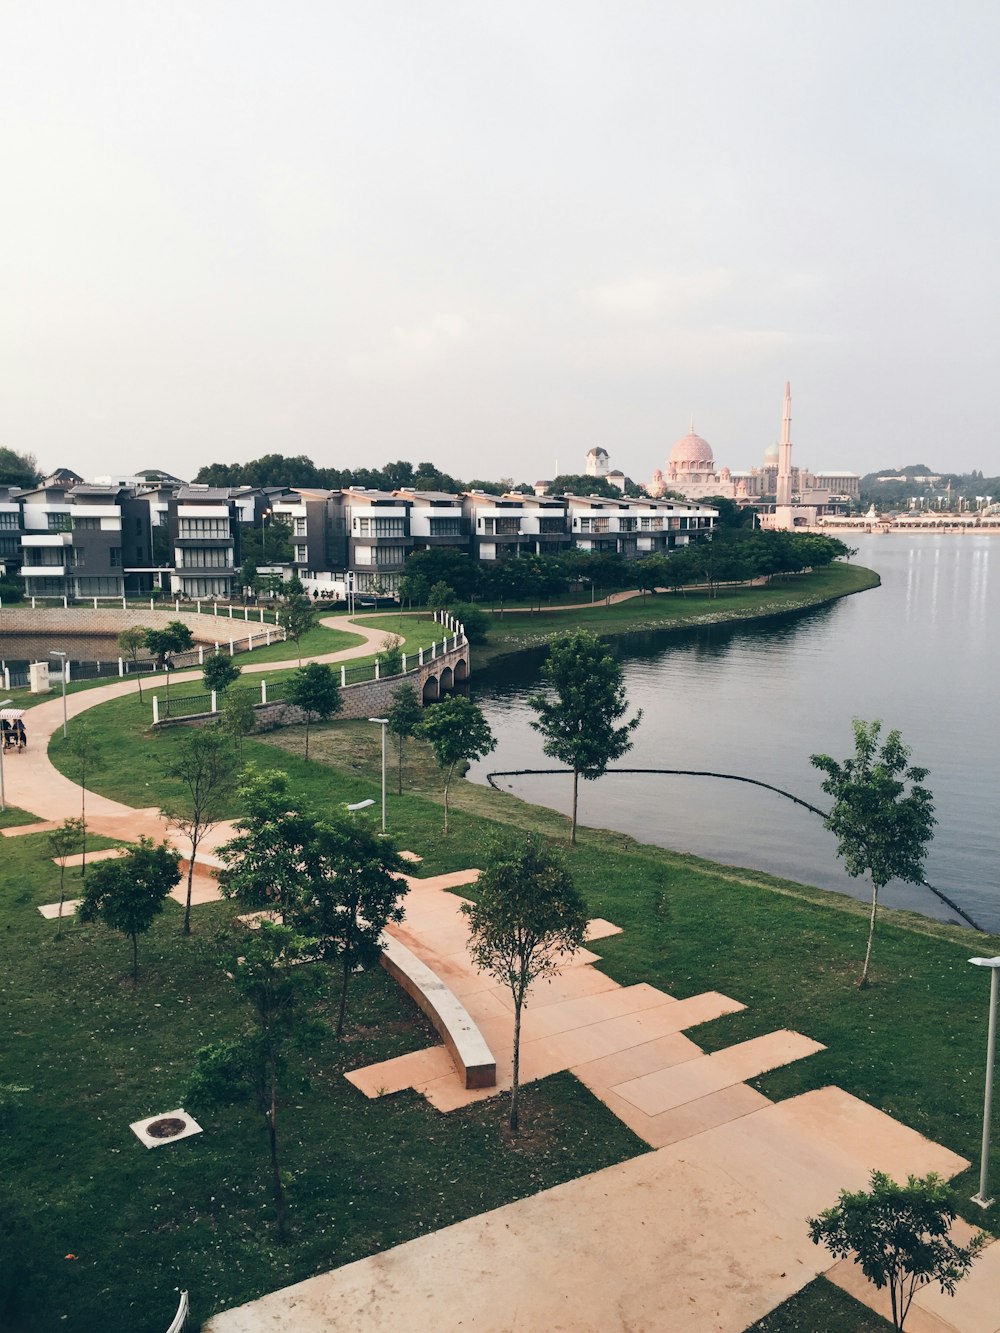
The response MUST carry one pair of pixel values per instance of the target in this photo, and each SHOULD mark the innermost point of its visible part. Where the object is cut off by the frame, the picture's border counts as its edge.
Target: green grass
(12, 817)
(362, 1175)
(821, 1307)
(517, 630)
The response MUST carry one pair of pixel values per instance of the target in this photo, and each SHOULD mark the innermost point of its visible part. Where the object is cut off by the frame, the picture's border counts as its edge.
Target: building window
(627, 525)
(205, 587)
(115, 557)
(212, 557)
(390, 555)
(300, 527)
(9, 545)
(446, 527)
(99, 587)
(86, 523)
(59, 522)
(10, 521)
(300, 555)
(380, 527)
(38, 557)
(203, 527)
(551, 525)
(501, 527)
(652, 524)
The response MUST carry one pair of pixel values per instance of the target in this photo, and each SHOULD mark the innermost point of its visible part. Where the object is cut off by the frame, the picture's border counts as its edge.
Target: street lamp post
(3, 794)
(383, 723)
(994, 965)
(63, 665)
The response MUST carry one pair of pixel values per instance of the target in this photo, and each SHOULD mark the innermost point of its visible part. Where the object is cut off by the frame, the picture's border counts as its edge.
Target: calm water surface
(920, 652)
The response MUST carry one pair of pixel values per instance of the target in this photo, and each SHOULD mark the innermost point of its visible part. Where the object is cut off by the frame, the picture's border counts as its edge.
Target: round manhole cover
(167, 1128)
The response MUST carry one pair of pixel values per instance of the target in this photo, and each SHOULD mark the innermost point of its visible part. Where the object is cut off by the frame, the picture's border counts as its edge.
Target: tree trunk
(576, 787)
(516, 1086)
(343, 1000)
(62, 893)
(400, 746)
(83, 820)
(135, 960)
(307, 735)
(195, 839)
(447, 784)
(138, 677)
(871, 936)
(272, 1134)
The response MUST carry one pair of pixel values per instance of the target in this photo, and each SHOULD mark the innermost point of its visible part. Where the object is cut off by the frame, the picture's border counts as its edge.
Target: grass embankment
(516, 630)
(12, 817)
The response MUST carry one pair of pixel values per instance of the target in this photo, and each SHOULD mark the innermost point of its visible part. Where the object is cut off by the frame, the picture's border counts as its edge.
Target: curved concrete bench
(473, 1058)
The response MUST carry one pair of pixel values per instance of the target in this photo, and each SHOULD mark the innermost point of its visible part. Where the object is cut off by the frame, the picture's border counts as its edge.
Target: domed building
(691, 470)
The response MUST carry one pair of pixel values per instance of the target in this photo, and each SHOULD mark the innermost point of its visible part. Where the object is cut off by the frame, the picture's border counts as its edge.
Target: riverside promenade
(704, 1232)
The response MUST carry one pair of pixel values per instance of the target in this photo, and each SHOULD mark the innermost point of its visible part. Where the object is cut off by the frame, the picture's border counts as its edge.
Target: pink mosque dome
(691, 454)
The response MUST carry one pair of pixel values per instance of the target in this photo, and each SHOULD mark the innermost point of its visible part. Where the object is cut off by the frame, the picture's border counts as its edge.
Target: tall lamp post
(63, 665)
(383, 723)
(3, 795)
(994, 965)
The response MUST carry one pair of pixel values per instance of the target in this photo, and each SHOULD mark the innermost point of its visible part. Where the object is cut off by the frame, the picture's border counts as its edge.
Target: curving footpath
(34, 783)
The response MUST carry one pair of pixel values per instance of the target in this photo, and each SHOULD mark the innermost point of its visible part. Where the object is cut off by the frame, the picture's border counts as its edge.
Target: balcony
(43, 571)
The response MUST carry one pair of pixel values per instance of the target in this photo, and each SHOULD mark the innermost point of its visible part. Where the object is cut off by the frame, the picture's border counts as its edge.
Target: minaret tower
(784, 488)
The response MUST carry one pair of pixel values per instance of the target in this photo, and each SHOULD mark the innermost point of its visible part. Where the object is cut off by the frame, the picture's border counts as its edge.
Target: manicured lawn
(98, 1232)
(12, 817)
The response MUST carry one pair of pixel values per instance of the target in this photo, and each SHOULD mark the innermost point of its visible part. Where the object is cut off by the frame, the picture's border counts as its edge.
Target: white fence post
(268, 638)
(151, 604)
(343, 676)
(156, 710)
(263, 691)
(121, 667)
(246, 613)
(215, 702)
(215, 608)
(377, 664)
(217, 645)
(198, 605)
(230, 613)
(420, 657)
(177, 603)
(262, 615)
(124, 603)
(66, 671)
(65, 603)
(6, 678)
(232, 649)
(95, 603)
(404, 664)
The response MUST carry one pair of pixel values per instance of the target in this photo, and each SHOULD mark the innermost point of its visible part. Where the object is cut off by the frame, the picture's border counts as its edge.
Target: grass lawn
(821, 1308)
(97, 1232)
(12, 817)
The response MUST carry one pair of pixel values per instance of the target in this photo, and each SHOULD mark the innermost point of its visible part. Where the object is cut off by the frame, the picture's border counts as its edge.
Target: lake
(758, 700)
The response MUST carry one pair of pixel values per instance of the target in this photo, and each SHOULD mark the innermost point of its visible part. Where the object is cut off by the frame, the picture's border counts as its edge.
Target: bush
(475, 620)
(11, 591)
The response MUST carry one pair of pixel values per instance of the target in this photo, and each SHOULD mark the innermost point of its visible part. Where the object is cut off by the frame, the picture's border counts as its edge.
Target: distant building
(597, 462)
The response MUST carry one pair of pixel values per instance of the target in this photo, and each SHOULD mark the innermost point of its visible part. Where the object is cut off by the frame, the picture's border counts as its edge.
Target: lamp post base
(981, 1202)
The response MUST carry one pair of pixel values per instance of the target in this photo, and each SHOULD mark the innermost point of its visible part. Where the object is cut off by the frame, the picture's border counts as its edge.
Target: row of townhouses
(105, 539)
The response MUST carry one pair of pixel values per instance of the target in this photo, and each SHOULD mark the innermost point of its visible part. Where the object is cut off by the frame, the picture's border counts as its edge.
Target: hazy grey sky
(494, 235)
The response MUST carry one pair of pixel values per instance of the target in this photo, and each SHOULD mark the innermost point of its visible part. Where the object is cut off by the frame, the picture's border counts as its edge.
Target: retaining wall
(56, 620)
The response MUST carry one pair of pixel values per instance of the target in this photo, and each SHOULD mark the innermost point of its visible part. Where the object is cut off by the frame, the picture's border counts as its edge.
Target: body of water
(758, 700)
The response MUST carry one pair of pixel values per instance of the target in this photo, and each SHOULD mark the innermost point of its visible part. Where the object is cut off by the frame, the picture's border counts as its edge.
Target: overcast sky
(493, 235)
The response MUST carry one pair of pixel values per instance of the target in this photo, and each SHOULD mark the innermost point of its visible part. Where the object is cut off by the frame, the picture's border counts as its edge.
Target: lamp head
(985, 962)
(383, 720)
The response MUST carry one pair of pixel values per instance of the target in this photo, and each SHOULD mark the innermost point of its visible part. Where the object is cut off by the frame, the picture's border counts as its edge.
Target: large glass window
(86, 523)
(446, 527)
(203, 527)
(205, 557)
(380, 527)
(59, 522)
(10, 521)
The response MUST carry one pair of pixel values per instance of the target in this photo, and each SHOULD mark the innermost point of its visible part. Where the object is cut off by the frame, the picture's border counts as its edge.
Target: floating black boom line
(729, 777)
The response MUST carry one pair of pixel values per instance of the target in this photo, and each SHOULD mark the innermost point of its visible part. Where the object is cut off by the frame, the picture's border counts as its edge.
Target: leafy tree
(580, 483)
(296, 617)
(269, 863)
(18, 469)
(403, 717)
(220, 671)
(64, 840)
(882, 828)
(315, 690)
(248, 576)
(475, 621)
(202, 766)
(357, 892)
(445, 564)
(128, 893)
(85, 756)
(174, 637)
(589, 697)
(650, 574)
(278, 994)
(414, 588)
(131, 642)
(440, 596)
(899, 1236)
(238, 717)
(458, 732)
(527, 916)
(390, 658)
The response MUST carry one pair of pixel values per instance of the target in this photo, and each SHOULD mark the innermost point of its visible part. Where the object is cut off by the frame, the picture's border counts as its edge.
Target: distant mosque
(691, 472)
